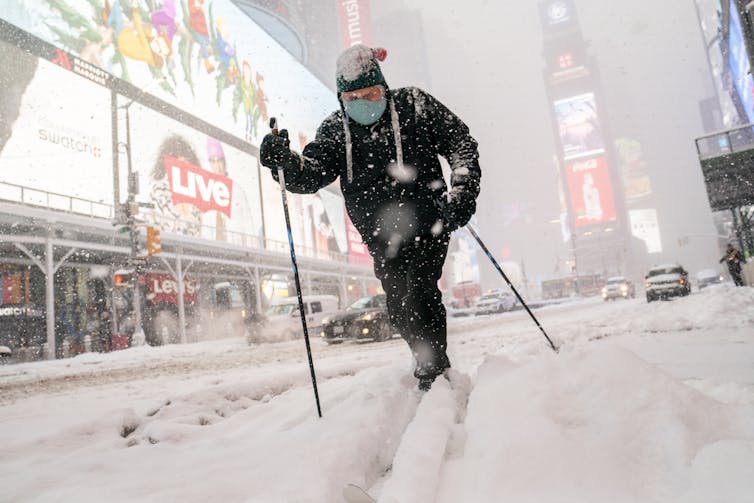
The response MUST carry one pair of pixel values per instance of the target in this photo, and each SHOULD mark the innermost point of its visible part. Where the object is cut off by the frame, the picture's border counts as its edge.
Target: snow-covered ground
(644, 403)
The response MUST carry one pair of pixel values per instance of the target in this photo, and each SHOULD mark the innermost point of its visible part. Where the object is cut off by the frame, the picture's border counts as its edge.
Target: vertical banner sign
(591, 192)
(355, 22)
(357, 250)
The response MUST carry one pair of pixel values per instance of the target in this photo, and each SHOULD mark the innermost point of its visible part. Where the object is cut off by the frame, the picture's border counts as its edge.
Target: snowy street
(644, 402)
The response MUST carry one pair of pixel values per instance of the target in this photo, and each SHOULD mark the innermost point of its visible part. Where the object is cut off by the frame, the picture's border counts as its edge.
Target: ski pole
(470, 228)
(281, 178)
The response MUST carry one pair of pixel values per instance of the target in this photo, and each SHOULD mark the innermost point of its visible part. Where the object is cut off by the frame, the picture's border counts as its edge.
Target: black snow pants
(414, 302)
(735, 274)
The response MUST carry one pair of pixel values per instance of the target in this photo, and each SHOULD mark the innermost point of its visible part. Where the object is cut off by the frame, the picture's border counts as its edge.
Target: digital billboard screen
(591, 191)
(205, 57)
(738, 60)
(579, 126)
(56, 130)
(199, 186)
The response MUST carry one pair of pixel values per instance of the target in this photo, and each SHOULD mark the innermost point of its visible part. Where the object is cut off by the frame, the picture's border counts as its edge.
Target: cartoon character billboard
(204, 56)
(591, 191)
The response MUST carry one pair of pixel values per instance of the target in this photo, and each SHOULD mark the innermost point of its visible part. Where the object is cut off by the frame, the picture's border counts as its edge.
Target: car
(708, 277)
(282, 321)
(618, 287)
(455, 308)
(665, 281)
(366, 318)
(494, 302)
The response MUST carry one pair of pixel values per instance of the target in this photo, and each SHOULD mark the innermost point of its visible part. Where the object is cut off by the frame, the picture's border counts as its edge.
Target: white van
(284, 320)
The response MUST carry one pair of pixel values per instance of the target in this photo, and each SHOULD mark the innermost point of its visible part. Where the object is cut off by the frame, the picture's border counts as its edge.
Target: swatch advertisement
(56, 134)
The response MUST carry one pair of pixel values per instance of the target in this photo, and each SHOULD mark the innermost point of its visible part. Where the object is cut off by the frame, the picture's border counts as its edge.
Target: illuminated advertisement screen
(199, 186)
(636, 181)
(204, 56)
(578, 126)
(591, 191)
(645, 226)
(56, 131)
(326, 230)
(738, 60)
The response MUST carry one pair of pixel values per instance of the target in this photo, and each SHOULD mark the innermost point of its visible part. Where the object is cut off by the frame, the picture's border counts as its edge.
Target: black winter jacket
(380, 199)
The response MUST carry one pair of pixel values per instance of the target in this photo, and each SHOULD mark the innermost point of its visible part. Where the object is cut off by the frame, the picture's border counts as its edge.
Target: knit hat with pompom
(358, 67)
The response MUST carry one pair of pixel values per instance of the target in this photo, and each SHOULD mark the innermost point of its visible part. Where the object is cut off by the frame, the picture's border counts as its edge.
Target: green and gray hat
(358, 67)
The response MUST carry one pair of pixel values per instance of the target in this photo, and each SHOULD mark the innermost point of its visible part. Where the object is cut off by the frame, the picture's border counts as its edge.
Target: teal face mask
(365, 112)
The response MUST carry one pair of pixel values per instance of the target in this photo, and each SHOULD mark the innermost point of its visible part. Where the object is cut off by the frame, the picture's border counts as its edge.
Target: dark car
(366, 318)
(664, 281)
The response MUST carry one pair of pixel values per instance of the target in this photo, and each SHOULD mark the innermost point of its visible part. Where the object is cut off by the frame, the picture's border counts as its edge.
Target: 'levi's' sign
(193, 185)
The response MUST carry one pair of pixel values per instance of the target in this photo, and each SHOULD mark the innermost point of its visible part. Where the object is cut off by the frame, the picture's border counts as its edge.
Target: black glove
(275, 152)
(459, 208)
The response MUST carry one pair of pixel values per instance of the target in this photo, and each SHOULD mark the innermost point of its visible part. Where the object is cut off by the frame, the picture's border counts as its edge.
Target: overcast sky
(485, 61)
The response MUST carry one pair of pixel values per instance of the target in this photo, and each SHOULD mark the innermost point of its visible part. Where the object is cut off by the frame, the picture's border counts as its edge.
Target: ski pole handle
(274, 125)
(281, 175)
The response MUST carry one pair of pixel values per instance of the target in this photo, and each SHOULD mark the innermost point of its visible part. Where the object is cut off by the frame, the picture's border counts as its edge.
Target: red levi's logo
(164, 289)
(193, 185)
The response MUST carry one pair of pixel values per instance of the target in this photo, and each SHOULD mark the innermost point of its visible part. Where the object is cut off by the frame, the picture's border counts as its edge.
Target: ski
(438, 411)
(355, 494)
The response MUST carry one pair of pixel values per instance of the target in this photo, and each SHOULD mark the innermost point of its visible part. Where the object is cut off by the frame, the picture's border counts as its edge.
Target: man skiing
(384, 144)
(734, 260)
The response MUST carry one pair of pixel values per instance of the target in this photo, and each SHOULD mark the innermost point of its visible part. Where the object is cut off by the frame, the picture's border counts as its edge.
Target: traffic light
(153, 241)
(123, 278)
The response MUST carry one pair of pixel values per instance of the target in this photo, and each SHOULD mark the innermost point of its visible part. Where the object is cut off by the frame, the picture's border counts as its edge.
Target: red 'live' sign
(193, 185)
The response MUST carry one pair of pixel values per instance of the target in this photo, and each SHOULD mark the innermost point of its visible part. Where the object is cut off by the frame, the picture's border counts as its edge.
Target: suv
(664, 281)
(618, 287)
(494, 302)
(366, 318)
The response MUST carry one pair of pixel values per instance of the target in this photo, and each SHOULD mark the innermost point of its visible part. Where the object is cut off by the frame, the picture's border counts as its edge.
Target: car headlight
(623, 288)
(366, 317)
(682, 281)
(325, 321)
(604, 289)
(647, 285)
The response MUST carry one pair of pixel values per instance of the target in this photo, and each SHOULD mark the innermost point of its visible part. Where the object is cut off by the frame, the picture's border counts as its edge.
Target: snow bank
(598, 425)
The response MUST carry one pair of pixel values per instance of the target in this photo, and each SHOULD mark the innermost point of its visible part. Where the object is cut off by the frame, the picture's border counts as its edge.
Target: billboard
(644, 225)
(60, 139)
(326, 232)
(634, 168)
(578, 126)
(590, 190)
(203, 56)
(738, 60)
(199, 186)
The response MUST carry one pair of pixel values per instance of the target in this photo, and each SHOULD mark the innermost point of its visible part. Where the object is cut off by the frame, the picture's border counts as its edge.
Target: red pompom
(380, 53)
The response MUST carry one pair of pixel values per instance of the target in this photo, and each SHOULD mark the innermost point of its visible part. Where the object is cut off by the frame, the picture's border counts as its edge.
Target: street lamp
(132, 209)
